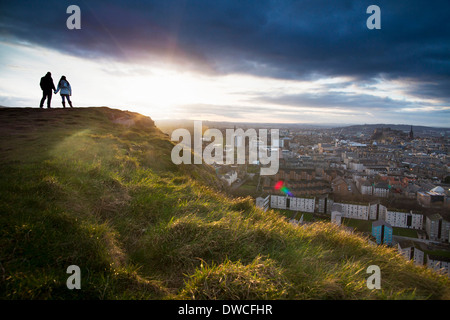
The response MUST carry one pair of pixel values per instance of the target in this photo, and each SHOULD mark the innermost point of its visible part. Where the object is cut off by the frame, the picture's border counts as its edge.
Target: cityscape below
(388, 182)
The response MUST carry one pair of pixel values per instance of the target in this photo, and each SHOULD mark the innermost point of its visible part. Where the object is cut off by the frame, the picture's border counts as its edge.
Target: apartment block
(355, 211)
(382, 231)
(439, 264)
(437, 228)
(412, 251)
(292, 203)
(404, 219)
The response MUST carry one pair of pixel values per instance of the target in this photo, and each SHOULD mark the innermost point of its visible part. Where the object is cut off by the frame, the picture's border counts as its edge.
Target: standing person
(66, 91)
(47, 87)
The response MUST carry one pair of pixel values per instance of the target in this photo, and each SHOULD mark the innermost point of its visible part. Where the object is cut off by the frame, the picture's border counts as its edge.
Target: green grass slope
(95, 187)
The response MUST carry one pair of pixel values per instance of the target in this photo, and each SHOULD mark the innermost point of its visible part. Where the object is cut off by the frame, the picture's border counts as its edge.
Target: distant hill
(368, 129)
(96, 188)
(169, 125)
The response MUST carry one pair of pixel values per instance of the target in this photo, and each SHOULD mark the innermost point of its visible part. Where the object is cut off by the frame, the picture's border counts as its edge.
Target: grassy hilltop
(95, 187)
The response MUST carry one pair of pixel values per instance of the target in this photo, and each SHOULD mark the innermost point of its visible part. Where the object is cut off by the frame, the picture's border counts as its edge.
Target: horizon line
(322, 124)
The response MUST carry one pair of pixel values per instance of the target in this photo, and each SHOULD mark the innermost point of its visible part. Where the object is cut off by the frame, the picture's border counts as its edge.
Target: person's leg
(44, 95)
(49, 99)
(63, 100)
(70, 102)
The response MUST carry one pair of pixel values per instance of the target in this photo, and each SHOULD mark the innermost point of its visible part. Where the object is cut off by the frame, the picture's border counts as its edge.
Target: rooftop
(381, 223)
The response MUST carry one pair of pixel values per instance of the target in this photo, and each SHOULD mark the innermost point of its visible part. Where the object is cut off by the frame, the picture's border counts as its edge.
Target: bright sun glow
(164, 89)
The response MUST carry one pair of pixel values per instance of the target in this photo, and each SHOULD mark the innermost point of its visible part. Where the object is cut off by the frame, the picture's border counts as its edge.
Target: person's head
(63, 78)
(49, 74)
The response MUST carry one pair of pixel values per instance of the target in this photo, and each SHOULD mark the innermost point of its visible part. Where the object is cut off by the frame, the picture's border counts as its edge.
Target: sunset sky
(255, 61)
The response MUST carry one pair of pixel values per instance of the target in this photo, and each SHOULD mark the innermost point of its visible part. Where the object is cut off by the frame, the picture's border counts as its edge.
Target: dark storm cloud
(339, 100)
(283, 39)
(431, 86)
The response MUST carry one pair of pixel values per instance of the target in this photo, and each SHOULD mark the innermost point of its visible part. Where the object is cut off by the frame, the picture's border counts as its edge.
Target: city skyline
(306, 62)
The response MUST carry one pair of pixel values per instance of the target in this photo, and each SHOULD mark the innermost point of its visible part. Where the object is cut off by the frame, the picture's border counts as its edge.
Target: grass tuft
(259, 280)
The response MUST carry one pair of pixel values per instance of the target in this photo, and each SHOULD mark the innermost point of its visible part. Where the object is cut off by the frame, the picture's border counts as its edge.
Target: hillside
(95, 187)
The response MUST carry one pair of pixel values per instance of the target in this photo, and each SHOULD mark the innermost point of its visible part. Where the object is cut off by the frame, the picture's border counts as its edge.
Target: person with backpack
(47, 87)
(66, 91)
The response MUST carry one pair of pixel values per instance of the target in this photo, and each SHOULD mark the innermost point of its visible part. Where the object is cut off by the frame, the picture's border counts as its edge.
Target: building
(293, 203)
(411, 191)
(407, 220)
(355, 211)
(432, 226)
(286, 174)
(301, 204)
(412, 250)
(382, 232)
(278, 202)
(377, 211)
(300, 188)
(421, 234)
(381, 190)
(336, 214)
(230, 177)
(359, 167)
(326, 147)
(263, 202)
(321, 205)
(439, 264)
(435, 196)
(437, 228)
(340, 186)
(366, 188)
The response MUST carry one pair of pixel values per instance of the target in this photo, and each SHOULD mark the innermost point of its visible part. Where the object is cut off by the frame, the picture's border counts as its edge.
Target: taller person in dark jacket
(47, 87)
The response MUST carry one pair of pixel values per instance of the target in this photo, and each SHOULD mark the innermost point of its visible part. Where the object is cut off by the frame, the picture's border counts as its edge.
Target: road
(426, 241)
(352, 185)
(236, 185)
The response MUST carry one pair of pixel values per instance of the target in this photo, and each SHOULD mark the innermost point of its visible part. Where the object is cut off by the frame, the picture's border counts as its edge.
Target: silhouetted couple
(48, 87)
